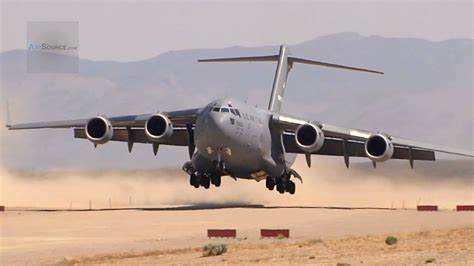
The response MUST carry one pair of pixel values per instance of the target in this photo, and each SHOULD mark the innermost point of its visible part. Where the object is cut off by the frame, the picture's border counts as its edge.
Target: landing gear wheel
(270, 183)
(281, 185)
(290, 187)
(216, 180)
(194, 180)
(205, 181)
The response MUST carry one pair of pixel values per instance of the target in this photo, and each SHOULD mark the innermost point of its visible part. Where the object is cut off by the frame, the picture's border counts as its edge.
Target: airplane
(228, 137)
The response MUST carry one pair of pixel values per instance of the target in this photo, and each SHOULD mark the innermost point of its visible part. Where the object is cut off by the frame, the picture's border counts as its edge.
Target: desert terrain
(154, 217)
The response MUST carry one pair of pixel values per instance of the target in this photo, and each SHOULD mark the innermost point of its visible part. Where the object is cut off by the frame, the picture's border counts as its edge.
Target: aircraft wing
(346, 142)
(335, 147)
(181, 117)
(129, 128)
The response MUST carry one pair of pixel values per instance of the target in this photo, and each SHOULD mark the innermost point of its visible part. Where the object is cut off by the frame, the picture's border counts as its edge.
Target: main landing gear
(204, 180)
(282, 184)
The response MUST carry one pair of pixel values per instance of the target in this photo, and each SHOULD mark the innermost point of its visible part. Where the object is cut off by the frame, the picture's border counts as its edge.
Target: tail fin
(284, 65)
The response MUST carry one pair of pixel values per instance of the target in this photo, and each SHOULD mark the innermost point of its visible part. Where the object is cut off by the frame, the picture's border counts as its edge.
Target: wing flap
(410, 143)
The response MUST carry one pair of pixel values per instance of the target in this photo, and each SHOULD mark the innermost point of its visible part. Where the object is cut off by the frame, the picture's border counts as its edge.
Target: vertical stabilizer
(279, 81)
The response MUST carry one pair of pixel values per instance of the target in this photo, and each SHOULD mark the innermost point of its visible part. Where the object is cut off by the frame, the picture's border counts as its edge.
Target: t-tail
(284, 64)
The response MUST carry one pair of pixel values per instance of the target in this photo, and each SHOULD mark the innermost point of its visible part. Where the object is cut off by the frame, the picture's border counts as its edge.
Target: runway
(177, 234)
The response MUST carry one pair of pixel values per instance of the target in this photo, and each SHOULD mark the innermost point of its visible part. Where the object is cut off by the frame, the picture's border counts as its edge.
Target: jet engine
(379, 148)
(309, 138)
(99, 130)
(158, 128)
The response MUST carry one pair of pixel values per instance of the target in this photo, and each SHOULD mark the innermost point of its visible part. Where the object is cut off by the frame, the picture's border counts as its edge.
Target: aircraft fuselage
(234, 138)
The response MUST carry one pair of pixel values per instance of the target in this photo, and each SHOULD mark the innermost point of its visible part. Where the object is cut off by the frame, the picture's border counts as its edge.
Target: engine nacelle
(99, 130)
(309, 138)
(379, 148)
(158, 128)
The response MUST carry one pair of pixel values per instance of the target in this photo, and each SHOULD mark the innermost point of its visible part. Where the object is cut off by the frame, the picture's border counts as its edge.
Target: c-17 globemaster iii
(228, 137)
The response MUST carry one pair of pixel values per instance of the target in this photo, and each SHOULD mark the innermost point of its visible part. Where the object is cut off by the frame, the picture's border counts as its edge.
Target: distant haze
(426, 94)
(136, 30)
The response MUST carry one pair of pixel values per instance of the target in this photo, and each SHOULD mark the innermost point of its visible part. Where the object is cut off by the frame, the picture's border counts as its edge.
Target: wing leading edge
(181, 117)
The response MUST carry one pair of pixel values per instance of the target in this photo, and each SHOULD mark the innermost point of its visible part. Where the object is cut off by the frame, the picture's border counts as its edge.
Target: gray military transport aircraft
(228, 137)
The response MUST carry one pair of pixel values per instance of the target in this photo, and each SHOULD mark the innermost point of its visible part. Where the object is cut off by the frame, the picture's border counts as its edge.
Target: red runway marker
(427, 208)
(231, 233)
(461, 208)
(275, 233)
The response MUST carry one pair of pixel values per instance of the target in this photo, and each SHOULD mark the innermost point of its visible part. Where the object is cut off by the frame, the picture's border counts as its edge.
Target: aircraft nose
(218, 122)
(222, 127)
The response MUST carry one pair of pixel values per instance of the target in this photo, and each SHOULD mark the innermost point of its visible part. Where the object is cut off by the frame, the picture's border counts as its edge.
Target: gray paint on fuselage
(244, 144)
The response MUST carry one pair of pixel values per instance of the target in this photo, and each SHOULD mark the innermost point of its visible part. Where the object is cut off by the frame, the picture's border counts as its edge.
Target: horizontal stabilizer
(265, 58)
(318, 63)
(291, 60)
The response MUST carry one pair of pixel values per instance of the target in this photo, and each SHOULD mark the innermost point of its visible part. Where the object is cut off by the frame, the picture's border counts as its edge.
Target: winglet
(8, 124)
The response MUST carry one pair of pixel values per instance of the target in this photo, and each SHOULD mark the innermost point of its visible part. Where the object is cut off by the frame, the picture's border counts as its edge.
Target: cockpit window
(223, 109)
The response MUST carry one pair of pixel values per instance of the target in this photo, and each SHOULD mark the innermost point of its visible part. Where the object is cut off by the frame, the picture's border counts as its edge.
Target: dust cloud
(327, 183)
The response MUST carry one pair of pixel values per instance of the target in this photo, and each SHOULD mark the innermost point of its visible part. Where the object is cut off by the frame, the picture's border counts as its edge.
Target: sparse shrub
(430, 260)
(280, 236)
(312, 257)
(342, 264)
(214, 250)
(391, 240)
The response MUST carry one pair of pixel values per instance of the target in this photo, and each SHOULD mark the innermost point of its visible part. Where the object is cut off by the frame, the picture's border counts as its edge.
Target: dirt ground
(174, 236)
(439, 246)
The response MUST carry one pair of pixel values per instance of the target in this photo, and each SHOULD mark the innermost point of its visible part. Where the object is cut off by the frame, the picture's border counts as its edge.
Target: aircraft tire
(281, 186)
(216, 180)
(205, 181)
(290, 187)
(194, 180)
(270, 183)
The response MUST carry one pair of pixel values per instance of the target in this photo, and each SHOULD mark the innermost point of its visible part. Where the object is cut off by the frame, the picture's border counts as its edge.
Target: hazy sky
(131, 31)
